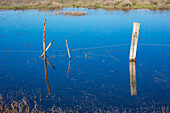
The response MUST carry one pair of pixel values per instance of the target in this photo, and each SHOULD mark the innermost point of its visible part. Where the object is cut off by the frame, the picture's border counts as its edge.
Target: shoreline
(4, 6)
(104, 8)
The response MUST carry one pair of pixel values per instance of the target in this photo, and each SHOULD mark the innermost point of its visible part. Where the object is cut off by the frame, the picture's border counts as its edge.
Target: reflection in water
(132, 69)
(68, 69)
(46, 76)
(49, 63)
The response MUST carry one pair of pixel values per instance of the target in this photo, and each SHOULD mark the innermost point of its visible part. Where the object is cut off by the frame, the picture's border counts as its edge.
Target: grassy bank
(91, 4)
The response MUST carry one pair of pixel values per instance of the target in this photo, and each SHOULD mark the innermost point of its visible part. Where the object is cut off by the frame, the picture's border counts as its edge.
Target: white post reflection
(132, 69)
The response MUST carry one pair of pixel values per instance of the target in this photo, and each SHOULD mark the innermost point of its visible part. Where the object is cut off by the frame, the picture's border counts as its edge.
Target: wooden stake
(44, 46)
(45, 63)
(132, 69)
(68, 49)
(68, 69)
(46, 76)
(48, 47)
(134, 41)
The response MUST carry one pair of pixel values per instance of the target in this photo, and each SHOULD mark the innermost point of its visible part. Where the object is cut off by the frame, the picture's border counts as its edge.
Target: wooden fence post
(44, 46)
(134, 41)
(45, 63)
(132, 69)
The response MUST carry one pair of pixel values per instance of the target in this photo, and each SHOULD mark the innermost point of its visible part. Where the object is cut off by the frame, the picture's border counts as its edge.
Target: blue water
(98, 77)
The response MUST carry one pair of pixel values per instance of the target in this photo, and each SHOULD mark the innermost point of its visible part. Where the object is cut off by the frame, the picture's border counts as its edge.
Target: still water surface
(95, 78)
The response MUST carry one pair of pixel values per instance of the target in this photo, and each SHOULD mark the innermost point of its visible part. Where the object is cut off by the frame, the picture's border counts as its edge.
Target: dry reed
(70, 13)
(23, 106)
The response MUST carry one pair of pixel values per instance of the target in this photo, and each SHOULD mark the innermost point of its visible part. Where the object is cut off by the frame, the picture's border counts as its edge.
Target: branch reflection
(68, 69)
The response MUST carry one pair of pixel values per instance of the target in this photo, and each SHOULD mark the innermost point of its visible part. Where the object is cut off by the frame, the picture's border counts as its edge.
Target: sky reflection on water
(100, 76)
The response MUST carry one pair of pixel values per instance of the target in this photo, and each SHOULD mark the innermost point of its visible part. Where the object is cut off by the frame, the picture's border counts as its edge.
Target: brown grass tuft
(71, 13)
(154, 2)
(161, 5)
(109, 3)
(126, 3)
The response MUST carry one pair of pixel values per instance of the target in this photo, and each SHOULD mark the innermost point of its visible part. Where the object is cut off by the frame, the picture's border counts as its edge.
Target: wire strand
(100, 47)
(155, 45)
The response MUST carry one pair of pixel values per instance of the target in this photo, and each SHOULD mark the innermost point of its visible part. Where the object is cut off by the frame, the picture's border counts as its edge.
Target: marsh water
(99, 75)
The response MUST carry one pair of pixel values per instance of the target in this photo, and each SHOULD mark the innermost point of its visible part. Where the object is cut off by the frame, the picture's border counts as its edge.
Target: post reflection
(46, 76)
(132, 69)
(49, 63)
(68, 69)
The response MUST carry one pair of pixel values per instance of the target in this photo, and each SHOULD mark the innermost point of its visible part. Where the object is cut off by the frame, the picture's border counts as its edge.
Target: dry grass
(71, 13)
(126, 3)
(162, 4)
(23, 106)
(15, 107)
(110, 3)
(30, 4)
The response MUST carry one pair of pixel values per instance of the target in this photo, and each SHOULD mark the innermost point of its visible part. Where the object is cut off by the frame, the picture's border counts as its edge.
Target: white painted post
(132, 69)
(134, 41)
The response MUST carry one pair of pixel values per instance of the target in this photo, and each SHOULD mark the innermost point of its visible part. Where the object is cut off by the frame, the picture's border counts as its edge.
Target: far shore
(108, 5)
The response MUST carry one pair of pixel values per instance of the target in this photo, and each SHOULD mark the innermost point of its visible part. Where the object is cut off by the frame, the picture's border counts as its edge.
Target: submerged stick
(44, 46)
(68, 68)
(132, 69)
(48, 47)
(134, 41)
(68, 49)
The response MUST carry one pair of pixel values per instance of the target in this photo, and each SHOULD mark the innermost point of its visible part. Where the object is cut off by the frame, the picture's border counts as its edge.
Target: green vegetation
(93, 4)
(145, 6)
(133, 3)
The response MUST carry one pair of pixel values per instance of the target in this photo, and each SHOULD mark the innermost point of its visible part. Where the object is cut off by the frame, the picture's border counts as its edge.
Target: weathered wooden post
(45, 52)
(44, 46)
(132, 69)
(134, 41)
(68, 50)
(45, 63)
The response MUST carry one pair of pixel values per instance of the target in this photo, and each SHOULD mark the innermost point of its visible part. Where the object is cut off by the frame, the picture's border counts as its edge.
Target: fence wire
(76, 49)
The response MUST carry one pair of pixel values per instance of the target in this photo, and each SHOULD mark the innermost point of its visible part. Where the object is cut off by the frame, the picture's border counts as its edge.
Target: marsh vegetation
(23, 106)
(72, 13)
(94, 4)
